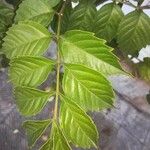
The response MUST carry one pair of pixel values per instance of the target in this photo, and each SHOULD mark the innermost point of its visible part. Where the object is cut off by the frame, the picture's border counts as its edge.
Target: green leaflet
(36, 10)
(6, 15)
(35, 129)
(26, 39)
(53, 3)
(82, 17)
(77, 125)
(80, 47)
(144, 69)
(30, 71)
(31, 101)
(133, 32)
(48, 145)
(59, 140)
(88, 88)
(107, 21)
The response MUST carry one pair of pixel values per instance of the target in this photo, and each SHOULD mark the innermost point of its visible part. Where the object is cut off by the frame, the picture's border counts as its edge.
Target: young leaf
(77, 125)
(35, 129)
(26, 39)
(133, 32)
(59, 140)
(36, 10)
(30, 71)
(82, 16)
(107, 21)
(88, 88)
(31, 101)
(80, 47)
(144, 69)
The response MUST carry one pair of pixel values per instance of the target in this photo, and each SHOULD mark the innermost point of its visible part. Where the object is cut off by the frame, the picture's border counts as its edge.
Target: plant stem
(60, 14)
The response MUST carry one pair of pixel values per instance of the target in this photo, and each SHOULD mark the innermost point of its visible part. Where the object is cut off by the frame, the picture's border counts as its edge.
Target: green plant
(86, 60)
(6, 16)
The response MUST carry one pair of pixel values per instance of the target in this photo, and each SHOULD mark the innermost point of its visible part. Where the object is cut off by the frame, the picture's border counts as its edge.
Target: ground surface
(126, 127)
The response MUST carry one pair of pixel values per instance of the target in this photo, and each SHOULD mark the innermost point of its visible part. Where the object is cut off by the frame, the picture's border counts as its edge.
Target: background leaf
(80, 47)
(144, 69)
(26, 39)
(31, 101)
(133, 32)
(35, 129)
(107, 21)
(6, 15)
(88, 88)
(82, 131)
(36, 10)
(30, 71)
(82, 16)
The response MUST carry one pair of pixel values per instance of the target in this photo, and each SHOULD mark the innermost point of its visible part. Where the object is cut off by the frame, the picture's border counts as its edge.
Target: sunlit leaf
(88, 88)
(30, 71)
(36, 10)
(26, 39)
(59, 140)
(82, 131)
(31, 101)
(80, 47)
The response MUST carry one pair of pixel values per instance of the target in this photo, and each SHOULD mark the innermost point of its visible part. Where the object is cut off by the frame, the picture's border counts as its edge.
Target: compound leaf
(82, 131)
(88, 88)
(36, 10)
(107, 21)
(26, 39)
(133, 32)
(81, 47)
(30, 71)
(31, 101)
(35, 129)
